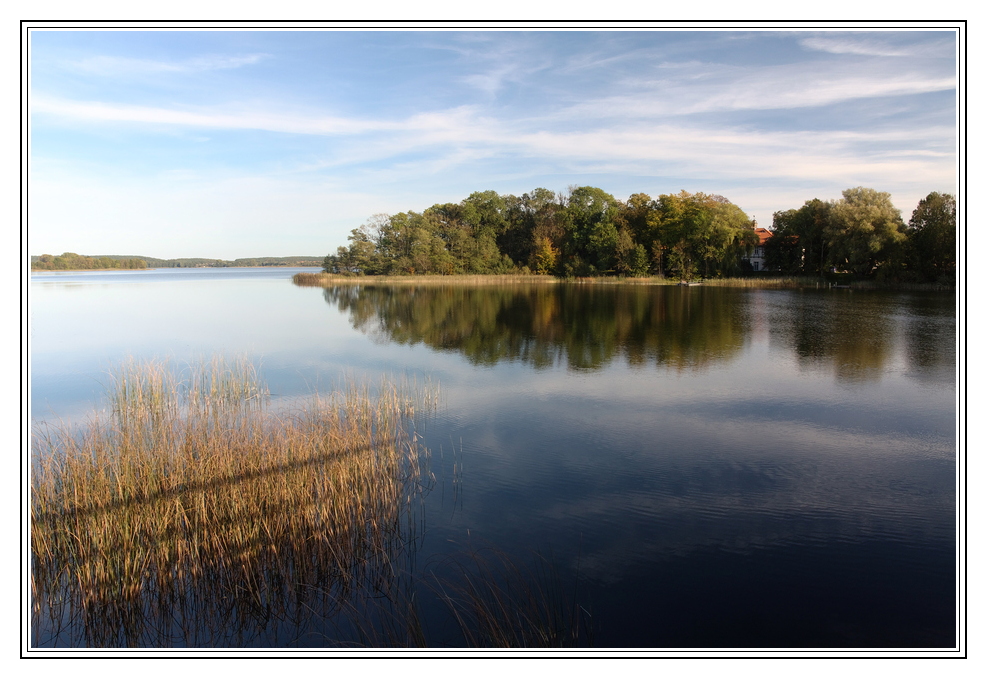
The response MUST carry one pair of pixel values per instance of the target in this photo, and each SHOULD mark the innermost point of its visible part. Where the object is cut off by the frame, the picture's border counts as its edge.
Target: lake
(701, 467)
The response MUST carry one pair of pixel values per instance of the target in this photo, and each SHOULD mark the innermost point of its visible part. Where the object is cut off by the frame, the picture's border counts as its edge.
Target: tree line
(583, 232)
(72, 261)
(202, 262)
(587, 232)
(864, 234)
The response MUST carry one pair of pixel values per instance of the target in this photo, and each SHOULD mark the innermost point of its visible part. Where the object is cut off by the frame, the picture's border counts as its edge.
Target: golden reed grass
(194, 516)
(306, 279)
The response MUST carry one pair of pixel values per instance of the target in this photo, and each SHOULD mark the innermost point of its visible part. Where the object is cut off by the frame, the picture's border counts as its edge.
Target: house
(756, 257)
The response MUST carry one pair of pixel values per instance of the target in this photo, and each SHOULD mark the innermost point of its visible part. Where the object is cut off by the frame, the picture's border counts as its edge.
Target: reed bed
(791, 282)
(306, 279)
(192, 515)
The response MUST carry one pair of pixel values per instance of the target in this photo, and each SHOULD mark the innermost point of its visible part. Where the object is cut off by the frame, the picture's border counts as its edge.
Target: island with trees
(586, 232)
(70, 261)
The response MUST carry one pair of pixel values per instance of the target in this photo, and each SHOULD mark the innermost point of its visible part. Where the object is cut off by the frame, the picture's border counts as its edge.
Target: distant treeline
(587, 232)
(192, 262)
(70, 260)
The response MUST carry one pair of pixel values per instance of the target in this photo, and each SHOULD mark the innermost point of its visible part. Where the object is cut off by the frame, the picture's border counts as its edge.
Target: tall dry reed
(307, 279)
(195, 516)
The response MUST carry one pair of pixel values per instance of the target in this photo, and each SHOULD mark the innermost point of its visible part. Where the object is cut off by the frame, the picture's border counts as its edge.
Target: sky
(234, 143)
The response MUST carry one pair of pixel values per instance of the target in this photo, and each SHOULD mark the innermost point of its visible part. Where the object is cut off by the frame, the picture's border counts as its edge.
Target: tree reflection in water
(587, 327)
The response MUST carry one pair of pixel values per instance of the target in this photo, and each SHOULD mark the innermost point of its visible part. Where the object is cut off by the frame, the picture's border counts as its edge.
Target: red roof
(762, 233)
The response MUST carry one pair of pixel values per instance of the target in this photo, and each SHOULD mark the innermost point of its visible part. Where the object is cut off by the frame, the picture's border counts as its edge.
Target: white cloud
(230, 118)
(233, 215)
(462, 128)
(108, 66)
(725, 153)
(876, 47)
(688, 89)
(452, 143)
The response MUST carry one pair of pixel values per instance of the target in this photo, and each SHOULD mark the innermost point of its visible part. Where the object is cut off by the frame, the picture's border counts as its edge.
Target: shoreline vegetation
(327, 280)
(194, 516)
(587, 233)
(70, 261)
(189, 514)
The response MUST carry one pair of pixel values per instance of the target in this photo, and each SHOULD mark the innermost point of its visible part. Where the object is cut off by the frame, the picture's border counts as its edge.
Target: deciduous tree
(932, 232)
(863, 229)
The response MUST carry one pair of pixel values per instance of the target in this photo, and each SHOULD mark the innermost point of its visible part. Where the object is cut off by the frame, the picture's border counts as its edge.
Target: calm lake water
(710, 467)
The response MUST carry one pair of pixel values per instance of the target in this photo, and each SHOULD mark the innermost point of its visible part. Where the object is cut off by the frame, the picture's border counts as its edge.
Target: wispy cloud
(686, 89)
(496, 65)
(816, 89)
(204, 117)
(457, 136)
(492, 80)
(109, 66)
(715, 154)
(872, 47)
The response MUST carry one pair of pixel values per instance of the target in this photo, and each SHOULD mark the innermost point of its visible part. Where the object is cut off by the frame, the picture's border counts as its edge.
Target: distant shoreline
(33, 270)
(74, 261)
(184, 268)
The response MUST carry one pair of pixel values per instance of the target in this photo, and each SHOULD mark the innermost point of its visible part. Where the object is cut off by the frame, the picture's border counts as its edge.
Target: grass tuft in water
(498, 602)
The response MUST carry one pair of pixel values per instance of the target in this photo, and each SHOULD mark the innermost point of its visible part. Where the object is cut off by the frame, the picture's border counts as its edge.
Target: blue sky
(245, 143)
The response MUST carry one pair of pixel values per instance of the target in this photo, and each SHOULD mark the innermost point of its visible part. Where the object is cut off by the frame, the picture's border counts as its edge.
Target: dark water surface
(711, 467)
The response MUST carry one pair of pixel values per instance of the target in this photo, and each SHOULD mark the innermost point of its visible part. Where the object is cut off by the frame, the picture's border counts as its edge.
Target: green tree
(545, 215)
(692, 233)
(634, 235)
(932, 236)
(783, 252)
(330, 264)
(673, 225)
(730, 237)
(863, 230)
(485, 213)
(799, 244)
(591, 237)
(634, 215)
